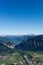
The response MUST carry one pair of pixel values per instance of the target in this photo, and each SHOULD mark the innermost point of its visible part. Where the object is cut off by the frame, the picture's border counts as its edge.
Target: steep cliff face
(33, 44)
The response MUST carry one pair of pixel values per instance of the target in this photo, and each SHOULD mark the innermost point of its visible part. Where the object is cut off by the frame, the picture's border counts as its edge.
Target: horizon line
(18, 34)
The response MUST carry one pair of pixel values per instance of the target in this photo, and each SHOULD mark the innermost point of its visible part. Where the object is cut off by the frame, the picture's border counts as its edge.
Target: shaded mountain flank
(7, 43)
(34, 43)
(23, 42)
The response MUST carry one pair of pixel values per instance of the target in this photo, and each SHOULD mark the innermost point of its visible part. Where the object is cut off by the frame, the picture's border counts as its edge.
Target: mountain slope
(25, 42)
(33, 44)
(7, 43)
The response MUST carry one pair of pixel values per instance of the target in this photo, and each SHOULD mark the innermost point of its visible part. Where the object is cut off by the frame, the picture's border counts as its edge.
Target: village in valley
(20, 59)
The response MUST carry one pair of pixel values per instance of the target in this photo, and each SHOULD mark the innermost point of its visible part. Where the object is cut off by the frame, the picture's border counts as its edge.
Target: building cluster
(28, 61)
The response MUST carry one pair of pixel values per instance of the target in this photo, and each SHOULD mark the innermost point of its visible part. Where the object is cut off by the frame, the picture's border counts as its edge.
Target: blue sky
(20, 17)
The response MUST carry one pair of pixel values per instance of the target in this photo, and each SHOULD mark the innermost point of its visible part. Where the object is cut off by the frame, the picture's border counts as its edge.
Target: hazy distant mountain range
(25, 42)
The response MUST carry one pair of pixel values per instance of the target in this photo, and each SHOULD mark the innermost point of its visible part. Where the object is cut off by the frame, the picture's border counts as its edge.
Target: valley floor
(22, 58)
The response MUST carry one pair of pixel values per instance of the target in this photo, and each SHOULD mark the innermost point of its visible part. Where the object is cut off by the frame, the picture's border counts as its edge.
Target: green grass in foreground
(16, 57)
